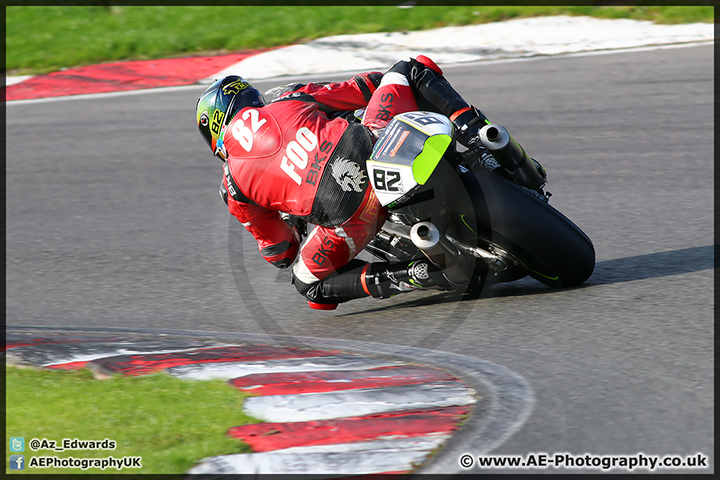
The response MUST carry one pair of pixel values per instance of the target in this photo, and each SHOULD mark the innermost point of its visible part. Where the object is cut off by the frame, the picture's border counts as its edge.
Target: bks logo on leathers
(324, 251)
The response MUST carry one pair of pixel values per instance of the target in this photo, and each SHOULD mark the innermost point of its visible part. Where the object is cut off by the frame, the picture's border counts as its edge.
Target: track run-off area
(114, 221)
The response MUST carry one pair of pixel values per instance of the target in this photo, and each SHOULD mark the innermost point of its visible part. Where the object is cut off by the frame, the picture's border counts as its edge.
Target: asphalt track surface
(113, 220)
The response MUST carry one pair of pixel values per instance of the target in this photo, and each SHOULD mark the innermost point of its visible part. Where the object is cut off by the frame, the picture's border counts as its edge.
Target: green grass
(40, 39)
(170, 423)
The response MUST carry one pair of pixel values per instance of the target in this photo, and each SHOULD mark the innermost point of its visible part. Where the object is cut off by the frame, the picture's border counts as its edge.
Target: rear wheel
(549, 246)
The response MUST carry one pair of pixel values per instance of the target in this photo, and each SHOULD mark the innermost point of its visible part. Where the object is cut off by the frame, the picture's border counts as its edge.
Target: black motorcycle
(479, 226)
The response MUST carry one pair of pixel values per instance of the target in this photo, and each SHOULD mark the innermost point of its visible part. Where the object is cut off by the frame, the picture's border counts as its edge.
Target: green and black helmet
(219, 104)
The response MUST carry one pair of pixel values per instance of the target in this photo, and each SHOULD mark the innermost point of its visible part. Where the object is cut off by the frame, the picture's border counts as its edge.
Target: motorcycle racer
(299, 157)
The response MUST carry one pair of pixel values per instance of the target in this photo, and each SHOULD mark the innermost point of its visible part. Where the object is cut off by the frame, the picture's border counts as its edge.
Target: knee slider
(300, 286)
(312, 292)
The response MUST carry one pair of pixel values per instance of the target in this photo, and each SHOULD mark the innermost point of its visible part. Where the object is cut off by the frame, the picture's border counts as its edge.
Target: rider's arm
(277, 241)
(341, 96)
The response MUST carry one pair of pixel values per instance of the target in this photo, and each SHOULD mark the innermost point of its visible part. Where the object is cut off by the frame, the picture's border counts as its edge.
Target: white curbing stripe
(230, 370)
(382, 455)
(518, 38)
(427, 442)
(340, 459)
(352, 403)
(59, 354)
(17, 79)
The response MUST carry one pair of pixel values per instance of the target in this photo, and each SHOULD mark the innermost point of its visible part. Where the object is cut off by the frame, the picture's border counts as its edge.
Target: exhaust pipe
(511, 156)
(443, 254)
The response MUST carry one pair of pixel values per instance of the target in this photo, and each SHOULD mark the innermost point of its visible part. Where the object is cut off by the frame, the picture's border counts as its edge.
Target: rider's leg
(326, 273)
(419, 84)
(393, 96)
(423, 81)
(328, 250)
(434, 93)
(358, 279)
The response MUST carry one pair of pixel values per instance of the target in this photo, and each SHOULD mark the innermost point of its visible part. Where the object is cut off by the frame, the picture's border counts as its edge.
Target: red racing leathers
(295, 155)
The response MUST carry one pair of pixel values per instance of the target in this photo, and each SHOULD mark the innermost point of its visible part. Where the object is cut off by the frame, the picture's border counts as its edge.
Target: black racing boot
(380, 280)
(342, 286)
(383, 280)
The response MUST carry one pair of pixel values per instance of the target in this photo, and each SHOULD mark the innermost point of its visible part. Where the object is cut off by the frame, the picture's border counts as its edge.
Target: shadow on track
(653, 265)
(628, 269)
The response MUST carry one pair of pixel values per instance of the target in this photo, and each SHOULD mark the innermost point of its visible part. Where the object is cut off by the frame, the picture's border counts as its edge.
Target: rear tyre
(552, 248)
